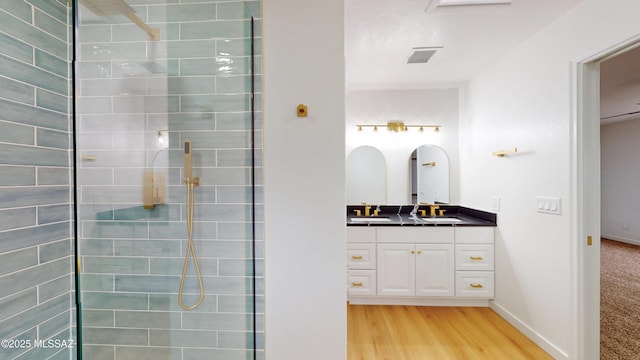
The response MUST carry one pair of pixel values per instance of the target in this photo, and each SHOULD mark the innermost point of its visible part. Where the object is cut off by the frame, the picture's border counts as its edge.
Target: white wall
(304, 165)
(523, 101)
(427, 106)
(621, 181)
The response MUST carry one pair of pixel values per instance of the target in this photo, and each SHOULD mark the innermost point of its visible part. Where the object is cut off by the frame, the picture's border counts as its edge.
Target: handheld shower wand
(191, 182)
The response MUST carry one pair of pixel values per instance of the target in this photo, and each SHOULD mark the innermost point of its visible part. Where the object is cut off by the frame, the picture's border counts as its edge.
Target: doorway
(586, 175)
(619, 80)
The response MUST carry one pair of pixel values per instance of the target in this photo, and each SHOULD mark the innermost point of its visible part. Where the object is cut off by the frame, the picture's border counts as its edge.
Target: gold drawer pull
(356, 284)
(356, 257)
(476, 258)
(476, 286)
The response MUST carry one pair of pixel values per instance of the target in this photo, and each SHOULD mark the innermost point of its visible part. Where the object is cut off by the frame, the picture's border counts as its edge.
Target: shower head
(188, 167)
(108, 7)
(120, 7)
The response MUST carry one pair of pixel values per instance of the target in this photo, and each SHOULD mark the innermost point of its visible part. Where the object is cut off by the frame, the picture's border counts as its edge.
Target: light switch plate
(548, 205)
(495, 203)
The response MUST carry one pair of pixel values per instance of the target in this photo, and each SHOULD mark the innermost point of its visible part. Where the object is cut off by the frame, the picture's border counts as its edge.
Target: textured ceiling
(381, 33)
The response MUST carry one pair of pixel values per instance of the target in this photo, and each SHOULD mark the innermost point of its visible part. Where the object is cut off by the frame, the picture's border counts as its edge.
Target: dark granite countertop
(404, 215)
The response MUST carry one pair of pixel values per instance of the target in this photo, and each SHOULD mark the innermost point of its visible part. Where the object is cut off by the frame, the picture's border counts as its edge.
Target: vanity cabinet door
(435, 270)
(396, 269)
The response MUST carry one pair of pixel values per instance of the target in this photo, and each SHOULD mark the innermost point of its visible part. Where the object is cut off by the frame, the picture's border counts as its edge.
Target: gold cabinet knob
(413, 252)
(419, 252)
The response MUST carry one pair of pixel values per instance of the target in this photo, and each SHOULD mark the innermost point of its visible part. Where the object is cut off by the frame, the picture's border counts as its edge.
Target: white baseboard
(416, 301)
(621, 239)
(534, 336)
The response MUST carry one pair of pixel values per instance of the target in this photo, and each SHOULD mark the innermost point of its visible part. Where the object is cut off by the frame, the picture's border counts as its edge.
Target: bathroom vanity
(406, 255)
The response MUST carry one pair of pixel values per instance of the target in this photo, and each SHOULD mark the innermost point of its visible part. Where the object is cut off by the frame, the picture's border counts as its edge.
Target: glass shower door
(168, 197)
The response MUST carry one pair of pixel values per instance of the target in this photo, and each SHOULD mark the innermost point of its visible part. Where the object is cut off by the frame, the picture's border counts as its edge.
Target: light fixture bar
(398, 126)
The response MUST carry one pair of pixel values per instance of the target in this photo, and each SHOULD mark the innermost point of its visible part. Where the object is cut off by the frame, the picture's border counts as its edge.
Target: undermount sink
(441, 219)
(369, 219)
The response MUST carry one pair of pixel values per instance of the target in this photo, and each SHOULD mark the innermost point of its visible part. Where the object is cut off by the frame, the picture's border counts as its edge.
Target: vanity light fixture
(502, 153)
(399, 126)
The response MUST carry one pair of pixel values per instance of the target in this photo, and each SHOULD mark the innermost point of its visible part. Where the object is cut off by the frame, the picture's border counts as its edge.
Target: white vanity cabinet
(420, 265)
(361, 261)
(474, 262)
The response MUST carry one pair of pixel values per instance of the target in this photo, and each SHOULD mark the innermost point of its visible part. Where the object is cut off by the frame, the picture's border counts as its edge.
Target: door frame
(585, 196)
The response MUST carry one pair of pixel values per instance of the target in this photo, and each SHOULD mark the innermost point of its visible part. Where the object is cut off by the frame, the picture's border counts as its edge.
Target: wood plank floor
(377, 332)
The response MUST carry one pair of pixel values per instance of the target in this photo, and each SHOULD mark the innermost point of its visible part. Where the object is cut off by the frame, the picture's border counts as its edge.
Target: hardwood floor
(377, 332)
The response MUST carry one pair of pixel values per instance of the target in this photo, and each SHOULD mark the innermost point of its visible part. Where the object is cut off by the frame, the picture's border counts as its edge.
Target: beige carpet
(619, 301)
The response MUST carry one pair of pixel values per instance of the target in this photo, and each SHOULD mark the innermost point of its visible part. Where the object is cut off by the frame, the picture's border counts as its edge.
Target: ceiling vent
(437, 3)
(420, 55)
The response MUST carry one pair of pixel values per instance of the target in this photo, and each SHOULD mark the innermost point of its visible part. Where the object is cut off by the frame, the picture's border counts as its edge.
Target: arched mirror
(366, 176)
(429, 175)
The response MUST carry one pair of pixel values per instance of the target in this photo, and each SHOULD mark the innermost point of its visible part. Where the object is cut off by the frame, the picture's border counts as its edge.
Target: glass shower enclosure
(168, 192)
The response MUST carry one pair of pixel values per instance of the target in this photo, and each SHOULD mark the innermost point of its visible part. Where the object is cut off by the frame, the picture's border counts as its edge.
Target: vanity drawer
(416, 235)
(474, 257)
(361, 256)
(474, 284)
(357, 234)
(474, 235)
(361, 282)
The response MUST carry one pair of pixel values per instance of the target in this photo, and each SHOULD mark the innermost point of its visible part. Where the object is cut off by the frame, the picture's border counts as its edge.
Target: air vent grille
(421, 55)
(468, 2)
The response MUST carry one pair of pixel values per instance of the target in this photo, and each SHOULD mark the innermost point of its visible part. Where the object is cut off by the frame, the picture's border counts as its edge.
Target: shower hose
(191, 251)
